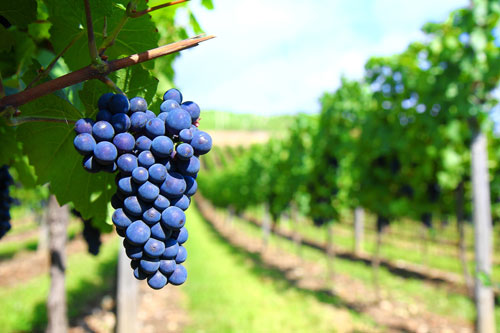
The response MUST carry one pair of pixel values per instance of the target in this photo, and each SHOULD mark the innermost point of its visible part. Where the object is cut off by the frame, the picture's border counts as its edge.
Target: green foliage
(41, 152)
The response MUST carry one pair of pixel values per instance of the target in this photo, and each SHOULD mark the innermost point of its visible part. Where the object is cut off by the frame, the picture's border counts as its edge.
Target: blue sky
(280, 56)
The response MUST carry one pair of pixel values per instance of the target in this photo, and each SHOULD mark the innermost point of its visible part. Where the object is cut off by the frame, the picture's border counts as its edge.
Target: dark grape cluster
(158, 160)
(91, 234)
(5, 200)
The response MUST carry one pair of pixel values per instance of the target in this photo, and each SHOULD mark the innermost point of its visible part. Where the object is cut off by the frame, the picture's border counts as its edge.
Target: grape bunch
(158, 161)
(5, 200)
(91, 234)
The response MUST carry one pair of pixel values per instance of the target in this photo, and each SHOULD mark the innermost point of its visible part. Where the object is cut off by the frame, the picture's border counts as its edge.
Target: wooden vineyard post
(359, 222)
(126, 296)
(483, 245)
(57, 220)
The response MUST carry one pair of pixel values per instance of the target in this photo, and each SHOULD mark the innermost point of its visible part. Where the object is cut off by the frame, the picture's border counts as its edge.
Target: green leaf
(10, 146)
(19, 12)
(137, 35)
(49, 147)
(194, 23)
(136, 81)
(89, 96)
(208, 4)
(6, 39)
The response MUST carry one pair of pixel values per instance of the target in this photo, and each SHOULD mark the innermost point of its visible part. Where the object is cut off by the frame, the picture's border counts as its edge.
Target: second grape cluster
(157, 160)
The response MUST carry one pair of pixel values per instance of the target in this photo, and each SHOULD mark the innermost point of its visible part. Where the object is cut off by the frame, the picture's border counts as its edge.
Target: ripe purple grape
(140, 175)
(84, 143)
(171, 249)
(201, 142)
(119, 104)
(179, 276)
(105, 152)
(127, 163)
(173, 186)
(124, 142)
(138, 233)
(177, 120)
(168, 105)
(173, 217)
(103, 131)
(155, 248)
(192, 108)
(181, 255)
(155, 127)
(162, 146)
(184, 151)
(138, 104)
(121, 122)
(173, 94)
(157, 281)
(84, 125)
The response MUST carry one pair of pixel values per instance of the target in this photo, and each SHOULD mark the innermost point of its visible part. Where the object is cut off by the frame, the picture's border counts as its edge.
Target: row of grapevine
(409, 140)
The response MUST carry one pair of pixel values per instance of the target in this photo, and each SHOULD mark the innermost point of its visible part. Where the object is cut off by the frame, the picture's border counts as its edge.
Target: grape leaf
(137, 35)
(136, 81)
(49, 147)
(6, 39)
(20, 12)
(10, 146)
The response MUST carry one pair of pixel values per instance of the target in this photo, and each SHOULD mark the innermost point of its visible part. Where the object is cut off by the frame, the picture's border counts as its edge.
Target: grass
(23, 306)
(435, 299)
(230, 292)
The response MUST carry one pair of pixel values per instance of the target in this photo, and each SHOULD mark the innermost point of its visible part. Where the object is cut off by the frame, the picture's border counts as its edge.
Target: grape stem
(111, 84)
(135, 13)
(47, 70)
(96, 72)
(94, 56)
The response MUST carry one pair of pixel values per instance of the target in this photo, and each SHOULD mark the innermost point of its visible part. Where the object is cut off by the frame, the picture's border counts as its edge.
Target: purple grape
(202, 142)
(182, 202)
(149, 265)
(138, 233)
(155, 248)
(104, 115)
(162, 146)
(124, 142)
(189, 167)
(140, 175)
(186, 135)
(177, 120)
(84, 143)
(146, 159)
(139, 274)
(151, 216)
(148, 192)
(181, 255)
(157, 173)
(173, 186)
(171, 249)
(84, 125)
(103, 131)
(150, 115)
(180, 235)
(161, 203)
(192, 108)
(179, 276)
(91, 165)
(155, 127)
(133, 206)
(132, 251)
(191, 186)
(143, 143)
(167, 267)
(158, 232)
(184, 151)
(173, 217)
(103, 102)
(138, 121)
(121, 122)
(173, 94)
(168, 105)
(157, 281)
(119, 104)
(127, 186)
(105, 153)
(127, 163)
(120, 219)
(138, 104)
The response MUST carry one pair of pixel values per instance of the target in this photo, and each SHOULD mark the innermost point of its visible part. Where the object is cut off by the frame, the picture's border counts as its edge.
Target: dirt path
(394, 315)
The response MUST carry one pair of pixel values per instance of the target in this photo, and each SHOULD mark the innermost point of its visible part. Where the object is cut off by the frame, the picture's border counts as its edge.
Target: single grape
(155, 127)
(146, 159)
(201, 142)
(103, 131)
(143, 143)
(192, 108)
(161, 203)
(127, 163)
(120, 219)
(162, 116)
(103, 102)
(138, 233)
(184, 151)
(105, 152)
(133, 206)
(186, 135)
(124, 142)
(132, 251)
(168, 105)
(155, 248)
(177, 120)
(167, 267)
(157, 173)
(138, 121)
(121, 122)
(173, 217)
(189, 167)
(84, 125)
(149, 265)
(150, 115)
(180, 235)
(171, 249)
(84, 143)
(162, 146)
(151, 216)
(139, 274)
(182, 202)
(138, 104)
(127, 186)
(140, 175)
(148, 192)
(191, 186)
(158, 232)
(173, 186)
(119, 104)
(179, 276)
(173, 94)
(181, 255)
(157, 281)
(104, 115)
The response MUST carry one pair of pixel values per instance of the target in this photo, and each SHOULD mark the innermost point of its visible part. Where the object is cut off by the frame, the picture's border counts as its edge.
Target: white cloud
(280, 56)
